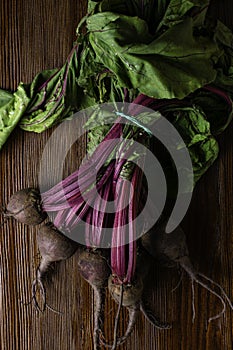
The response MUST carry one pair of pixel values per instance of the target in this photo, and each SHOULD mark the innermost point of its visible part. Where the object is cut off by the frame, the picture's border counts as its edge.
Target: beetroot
(171, 250)
(94, 268)
(166, 248)
(131, 292)
(53, 246)
(130, 295)
(25, 206)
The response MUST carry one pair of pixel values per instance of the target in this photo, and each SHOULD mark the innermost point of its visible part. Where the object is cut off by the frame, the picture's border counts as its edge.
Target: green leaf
(12, 107)
(224, 38)
(177, 10)
(5, 97)
(170, 66)
(194, 128)
(54, 96)
(157, 13)
(217, 106)
(97, 82)
(90, 71)
(149, 10)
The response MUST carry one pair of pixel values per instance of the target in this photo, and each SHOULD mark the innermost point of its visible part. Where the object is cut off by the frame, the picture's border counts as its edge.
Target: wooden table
(38, 35)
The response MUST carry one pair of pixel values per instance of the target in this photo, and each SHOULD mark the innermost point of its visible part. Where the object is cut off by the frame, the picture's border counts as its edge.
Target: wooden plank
(38, 35)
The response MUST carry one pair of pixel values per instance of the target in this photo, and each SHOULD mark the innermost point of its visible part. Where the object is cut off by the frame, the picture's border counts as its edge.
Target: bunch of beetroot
(122, 266)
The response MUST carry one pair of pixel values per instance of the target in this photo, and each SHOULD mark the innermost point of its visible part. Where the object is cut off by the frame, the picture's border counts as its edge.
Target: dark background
(37, 35)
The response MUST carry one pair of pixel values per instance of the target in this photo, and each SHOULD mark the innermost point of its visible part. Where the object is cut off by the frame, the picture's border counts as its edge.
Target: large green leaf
(194, 128)
(157, 13)
(224, 39)
(12, 107)
(170, 66)
(5, 97)
(217, 106)
(152, 11)
(53, 96)
(177, 10)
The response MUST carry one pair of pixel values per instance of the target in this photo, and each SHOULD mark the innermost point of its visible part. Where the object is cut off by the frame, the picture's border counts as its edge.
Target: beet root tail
(196, 277)
(151, 317)
(99, 296)
(134, 312)
(37, 284)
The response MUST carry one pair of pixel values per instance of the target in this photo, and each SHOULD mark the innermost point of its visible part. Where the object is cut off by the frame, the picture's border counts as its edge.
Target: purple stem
(66, 197)
(56, 193)
(118, 258)
(48, 80)
(88, 229)
(126, 95)
(136, 185)
(75, 214)
(97, 187)
(75, 192)
(220, 93)
(60, 218)
(142, 8)
(99, 214)
(101, 152)
(36, 107)
(141, 99)
(77, 217)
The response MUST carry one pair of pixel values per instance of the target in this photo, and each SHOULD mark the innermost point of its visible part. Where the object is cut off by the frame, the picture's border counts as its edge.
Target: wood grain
(38, 35)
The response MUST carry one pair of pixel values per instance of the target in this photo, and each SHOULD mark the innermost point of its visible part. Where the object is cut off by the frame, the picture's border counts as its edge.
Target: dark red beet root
(131, 293)
(131, 297)
(94, 268)
(167, 248)
(171, 250)
(25, 206)
(53, 246)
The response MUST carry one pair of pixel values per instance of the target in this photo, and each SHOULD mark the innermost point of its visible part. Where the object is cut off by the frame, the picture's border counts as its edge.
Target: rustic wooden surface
(38, 35)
